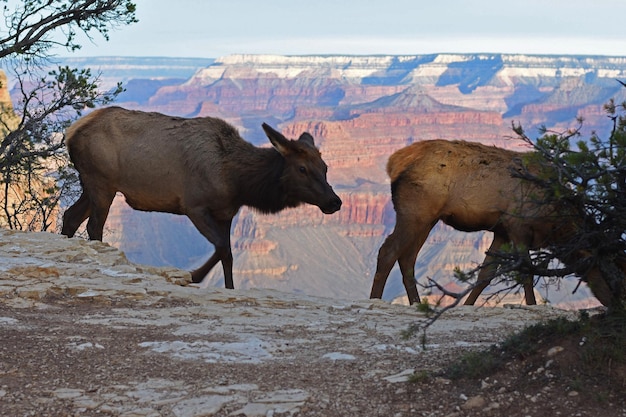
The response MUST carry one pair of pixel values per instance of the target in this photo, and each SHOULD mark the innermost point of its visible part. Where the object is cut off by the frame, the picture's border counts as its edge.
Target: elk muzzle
(332, 205)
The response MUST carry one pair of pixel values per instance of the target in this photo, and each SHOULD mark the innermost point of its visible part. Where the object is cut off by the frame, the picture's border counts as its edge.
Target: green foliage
(33, 164)
(600, 341)
(419, 377)
(474, 365)
(536, 336)
(579, 186)
(461, 275)
(604, 342)
(424, 306)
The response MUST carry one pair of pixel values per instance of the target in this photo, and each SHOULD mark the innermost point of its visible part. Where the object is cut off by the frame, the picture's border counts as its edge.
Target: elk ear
(280, 142)
(307, 138)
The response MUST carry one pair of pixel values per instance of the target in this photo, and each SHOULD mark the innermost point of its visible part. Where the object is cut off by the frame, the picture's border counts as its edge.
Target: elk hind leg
(401, 245)
(75, 215)
(407, 264)
(101, 200)
(386, 259)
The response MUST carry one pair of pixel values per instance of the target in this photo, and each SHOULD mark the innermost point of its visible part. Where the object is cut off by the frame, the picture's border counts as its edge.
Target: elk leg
(529, 290)
(487, 271)
(528, 285)
(407, 266)
(227, 267)
(404, 242)
(198, 274)
(601, 290)
(76, 215)
(101, 201)
(218, 233)
(409, 281)
(222, 254)
(484, 279)
(386, 260)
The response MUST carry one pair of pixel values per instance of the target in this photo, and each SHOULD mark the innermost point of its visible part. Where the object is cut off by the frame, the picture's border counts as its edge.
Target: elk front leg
(218, 233)
(487, 270)
(222, 254)
(529, 290)
(198, 274)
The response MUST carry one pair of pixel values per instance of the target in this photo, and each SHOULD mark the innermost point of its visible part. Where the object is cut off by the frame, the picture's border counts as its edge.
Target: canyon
(359, 109)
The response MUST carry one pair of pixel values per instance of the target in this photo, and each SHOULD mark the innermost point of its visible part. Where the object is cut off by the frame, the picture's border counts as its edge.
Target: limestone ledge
(35, 267)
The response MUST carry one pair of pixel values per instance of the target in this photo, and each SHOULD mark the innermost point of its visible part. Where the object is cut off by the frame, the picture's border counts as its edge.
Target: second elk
(470, 187)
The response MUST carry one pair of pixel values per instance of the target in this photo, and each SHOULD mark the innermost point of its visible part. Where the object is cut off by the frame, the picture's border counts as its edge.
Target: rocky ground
(86, 333)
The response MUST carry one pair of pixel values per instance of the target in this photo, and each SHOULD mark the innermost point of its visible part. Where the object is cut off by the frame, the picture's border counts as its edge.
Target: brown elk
(470, 187)
(198, 167)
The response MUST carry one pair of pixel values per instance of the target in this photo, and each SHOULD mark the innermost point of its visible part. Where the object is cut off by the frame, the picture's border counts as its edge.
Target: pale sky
(212, 28)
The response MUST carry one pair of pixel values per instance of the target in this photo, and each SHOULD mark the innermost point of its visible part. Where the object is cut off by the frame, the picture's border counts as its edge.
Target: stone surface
(86, 332)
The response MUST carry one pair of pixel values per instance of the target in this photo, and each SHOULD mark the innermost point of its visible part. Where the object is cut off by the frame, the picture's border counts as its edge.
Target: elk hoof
(196, 277)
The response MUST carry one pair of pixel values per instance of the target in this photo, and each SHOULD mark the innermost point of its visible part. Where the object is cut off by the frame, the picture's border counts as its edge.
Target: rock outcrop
(86, 332)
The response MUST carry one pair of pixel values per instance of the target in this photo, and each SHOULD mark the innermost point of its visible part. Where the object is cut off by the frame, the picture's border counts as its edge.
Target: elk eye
(302, 169)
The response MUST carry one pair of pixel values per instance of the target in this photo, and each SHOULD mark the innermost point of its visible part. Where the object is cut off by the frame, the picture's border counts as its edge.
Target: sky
(215, 28)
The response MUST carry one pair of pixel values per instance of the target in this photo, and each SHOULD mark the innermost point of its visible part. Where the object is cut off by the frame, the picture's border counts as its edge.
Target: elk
(470, 187)
(198, 167)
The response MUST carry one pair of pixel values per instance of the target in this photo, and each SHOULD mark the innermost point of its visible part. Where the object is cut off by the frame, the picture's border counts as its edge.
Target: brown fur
(468, 186)
(198, 167)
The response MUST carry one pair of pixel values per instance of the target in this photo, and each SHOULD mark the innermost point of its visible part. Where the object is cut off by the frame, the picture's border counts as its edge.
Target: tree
(30, 26)
(588, 179)
(33, 164)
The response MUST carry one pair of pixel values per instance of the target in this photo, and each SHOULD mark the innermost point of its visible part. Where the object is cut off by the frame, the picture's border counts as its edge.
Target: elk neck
(260, 182)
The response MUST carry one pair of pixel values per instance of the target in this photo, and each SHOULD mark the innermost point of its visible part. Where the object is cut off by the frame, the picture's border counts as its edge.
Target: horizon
(340, 55)
(366, 27)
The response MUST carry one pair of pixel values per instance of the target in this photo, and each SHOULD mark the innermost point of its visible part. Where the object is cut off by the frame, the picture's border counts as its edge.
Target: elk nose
(333, 205)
